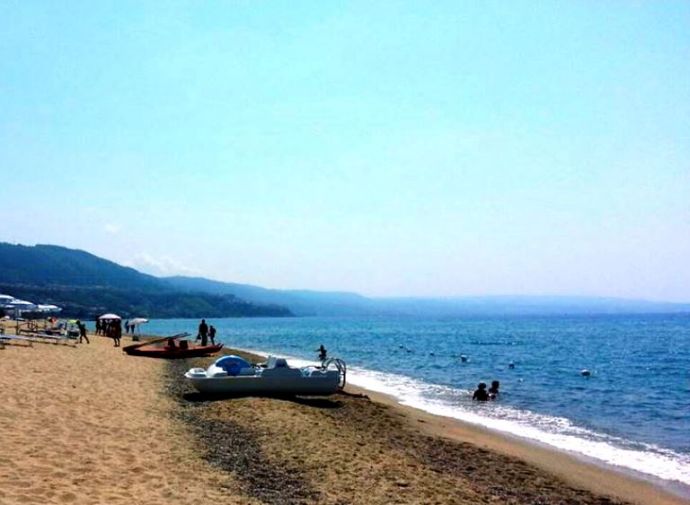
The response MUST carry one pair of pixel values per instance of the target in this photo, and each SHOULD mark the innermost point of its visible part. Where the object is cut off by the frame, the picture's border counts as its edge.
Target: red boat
(171, 348)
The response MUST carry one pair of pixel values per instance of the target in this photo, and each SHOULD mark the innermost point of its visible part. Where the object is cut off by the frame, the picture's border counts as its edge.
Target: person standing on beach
(82, 332)
(116, 332)
(212, 334)
(323, 353)
(203, 332)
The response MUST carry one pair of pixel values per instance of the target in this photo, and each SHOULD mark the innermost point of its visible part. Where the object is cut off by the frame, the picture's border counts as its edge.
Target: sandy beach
(91, 425)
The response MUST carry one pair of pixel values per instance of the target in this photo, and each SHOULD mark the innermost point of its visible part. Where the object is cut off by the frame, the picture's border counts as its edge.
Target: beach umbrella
(22, 304)
(48, 308)
(110, 317)
(135, 323)
(19, 306)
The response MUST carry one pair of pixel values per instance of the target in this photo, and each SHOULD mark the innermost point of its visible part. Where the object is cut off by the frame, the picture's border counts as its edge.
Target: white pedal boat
(232, 375)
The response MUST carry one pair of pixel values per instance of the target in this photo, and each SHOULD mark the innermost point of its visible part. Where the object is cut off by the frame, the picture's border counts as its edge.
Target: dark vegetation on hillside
(42, 265)
(85, 286)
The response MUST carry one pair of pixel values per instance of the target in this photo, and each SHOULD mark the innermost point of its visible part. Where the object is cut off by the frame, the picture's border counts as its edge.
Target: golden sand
(89, 425)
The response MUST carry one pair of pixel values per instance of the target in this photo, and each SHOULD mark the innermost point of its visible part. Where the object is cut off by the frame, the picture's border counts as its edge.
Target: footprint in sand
(22, 498)
(68, 497)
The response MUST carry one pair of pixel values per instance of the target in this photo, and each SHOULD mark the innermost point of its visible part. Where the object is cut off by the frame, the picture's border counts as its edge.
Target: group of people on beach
(482, 395)
(111, 328)
(129, 328)
(206, 332)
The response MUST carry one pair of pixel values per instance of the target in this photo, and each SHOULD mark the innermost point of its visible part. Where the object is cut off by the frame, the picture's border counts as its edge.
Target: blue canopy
(232, 364)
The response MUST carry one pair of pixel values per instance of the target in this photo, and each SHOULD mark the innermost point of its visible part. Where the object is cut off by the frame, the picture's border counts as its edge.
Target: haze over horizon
(445, 149)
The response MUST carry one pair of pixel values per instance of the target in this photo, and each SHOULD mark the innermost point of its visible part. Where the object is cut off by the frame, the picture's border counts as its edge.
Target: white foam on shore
(556, 432)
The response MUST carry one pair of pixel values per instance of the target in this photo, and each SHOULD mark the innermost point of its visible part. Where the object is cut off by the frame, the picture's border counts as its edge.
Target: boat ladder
(340, 366)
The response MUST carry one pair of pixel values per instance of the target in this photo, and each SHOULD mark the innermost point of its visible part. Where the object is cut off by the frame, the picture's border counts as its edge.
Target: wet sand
(92, 425)
(363, 447)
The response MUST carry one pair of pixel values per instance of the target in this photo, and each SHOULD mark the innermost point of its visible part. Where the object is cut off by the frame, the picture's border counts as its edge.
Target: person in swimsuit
(493, 390)
(480, 394)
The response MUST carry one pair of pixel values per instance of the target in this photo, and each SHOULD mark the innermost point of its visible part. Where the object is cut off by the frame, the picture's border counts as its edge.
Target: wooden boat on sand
(174, 347)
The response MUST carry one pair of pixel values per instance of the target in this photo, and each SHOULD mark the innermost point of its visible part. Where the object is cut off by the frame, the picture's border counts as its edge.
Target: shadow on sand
(319, 403)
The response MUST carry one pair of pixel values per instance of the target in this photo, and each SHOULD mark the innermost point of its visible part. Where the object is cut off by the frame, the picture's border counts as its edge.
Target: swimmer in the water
(480, 394)
(493, 390)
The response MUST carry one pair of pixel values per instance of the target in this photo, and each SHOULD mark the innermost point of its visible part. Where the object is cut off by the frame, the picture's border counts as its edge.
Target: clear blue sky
(388, 148)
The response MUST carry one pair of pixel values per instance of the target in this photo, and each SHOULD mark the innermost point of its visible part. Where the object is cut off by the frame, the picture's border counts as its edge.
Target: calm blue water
(634, 411)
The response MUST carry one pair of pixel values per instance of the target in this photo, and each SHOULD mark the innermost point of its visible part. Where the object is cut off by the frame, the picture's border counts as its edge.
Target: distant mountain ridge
(320, 303)
(512, 305)
(300, 302)
(86, 286)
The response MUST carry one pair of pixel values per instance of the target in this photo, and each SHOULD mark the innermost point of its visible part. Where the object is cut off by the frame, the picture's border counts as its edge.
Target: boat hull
(177, 353)
(320, 385)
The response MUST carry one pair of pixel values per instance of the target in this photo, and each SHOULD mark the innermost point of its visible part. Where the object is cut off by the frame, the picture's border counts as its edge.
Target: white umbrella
(19, 306)
(22, 304)
(135, 323)
(110, 316)
(48, 308)
(6, 298)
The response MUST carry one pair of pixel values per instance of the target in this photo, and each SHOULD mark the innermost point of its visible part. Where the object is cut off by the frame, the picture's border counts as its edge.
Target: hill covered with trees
(86, 285)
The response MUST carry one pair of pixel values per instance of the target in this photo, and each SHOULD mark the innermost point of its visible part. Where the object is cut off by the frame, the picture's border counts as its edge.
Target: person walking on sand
(82, 332)
(212, 334)
(116, 332)
(203, 332)
(323, 353)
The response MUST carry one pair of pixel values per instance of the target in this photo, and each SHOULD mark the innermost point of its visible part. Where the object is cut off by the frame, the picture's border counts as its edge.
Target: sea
(632, 412)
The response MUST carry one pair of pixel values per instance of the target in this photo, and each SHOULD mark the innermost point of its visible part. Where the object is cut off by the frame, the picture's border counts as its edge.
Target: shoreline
(578, 469)
(350, 448)
(93, 425)
(572, 468)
